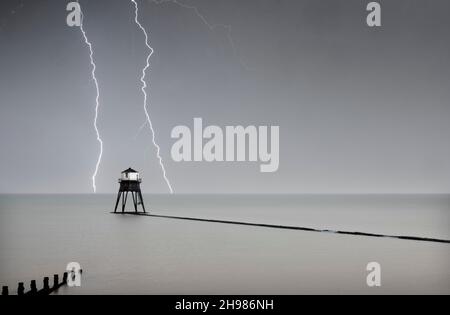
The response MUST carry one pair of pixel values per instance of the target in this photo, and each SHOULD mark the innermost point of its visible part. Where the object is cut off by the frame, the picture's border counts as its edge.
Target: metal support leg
(124, 201)
(142, 200)
(117, 202)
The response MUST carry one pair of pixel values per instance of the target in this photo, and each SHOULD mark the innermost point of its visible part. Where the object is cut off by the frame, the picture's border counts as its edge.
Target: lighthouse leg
(134, 195)
(117, 202)
(124, 202)
(142, 200)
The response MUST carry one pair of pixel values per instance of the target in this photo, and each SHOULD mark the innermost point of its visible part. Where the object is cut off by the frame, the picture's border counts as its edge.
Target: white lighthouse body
(130, 175)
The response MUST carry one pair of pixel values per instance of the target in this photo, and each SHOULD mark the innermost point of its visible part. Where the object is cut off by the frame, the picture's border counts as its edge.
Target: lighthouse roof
(129, 170)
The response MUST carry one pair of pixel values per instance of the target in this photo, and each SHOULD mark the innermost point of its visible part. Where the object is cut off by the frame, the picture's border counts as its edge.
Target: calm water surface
(40, 234)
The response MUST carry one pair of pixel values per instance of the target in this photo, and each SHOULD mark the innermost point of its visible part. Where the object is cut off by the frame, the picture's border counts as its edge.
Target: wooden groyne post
(21, 289)
(33, 288)
(46, 289)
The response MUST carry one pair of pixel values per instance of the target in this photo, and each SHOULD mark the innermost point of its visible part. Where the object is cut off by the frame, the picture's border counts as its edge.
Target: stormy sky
(360, 110)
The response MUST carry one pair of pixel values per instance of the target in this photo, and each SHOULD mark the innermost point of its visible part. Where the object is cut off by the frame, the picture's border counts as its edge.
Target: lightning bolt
(144, 87)
(210, 26)
(97, 103)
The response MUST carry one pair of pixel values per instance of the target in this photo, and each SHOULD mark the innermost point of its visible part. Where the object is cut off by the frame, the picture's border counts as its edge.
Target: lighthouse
(130, 182)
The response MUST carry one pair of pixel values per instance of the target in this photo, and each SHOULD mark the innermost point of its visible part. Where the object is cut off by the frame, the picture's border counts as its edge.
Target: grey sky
(360, 110)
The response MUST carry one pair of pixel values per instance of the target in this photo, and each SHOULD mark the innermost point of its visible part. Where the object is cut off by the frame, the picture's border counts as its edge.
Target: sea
(126, 254)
